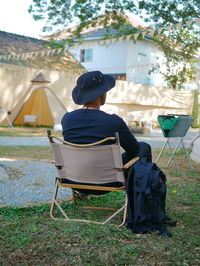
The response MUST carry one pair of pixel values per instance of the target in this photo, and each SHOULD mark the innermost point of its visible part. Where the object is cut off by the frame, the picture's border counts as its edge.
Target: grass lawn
(17, 131)
(28, 236)
(26, 152)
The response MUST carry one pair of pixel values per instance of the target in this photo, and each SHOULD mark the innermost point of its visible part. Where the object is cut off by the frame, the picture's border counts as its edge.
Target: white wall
(123, 56)
(107, 58)
(143, 54)
(136, 102)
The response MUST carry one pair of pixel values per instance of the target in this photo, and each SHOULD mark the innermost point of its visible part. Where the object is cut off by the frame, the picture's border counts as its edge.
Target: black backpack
(146, 199)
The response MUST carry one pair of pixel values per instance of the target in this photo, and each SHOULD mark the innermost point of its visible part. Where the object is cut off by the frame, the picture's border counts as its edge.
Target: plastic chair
(89, 163)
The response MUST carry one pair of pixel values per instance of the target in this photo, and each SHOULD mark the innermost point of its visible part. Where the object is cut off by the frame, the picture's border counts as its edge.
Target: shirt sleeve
(128, 142)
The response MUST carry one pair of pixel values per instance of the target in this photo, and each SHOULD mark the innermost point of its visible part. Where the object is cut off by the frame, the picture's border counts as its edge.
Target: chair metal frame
(173, 153)
(59, 184)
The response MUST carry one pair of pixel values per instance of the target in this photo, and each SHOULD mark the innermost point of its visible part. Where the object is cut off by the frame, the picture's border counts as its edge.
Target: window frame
(86, 55)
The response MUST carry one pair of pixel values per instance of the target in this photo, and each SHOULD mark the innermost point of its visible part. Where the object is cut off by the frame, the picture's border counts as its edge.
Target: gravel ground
(25, 183)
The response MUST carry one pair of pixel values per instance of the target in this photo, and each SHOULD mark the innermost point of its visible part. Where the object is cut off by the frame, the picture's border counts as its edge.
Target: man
(89, 124)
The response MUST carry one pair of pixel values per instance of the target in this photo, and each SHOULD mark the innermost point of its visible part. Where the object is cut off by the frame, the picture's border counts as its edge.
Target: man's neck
(91, 107)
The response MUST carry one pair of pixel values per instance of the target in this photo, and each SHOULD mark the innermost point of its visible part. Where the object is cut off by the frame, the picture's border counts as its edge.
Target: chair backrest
(89, 164)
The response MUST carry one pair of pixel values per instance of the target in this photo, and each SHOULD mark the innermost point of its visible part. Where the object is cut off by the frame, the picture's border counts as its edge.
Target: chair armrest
(131, 162)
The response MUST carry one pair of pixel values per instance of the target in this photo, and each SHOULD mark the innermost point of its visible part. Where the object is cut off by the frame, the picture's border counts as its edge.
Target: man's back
(91, 125)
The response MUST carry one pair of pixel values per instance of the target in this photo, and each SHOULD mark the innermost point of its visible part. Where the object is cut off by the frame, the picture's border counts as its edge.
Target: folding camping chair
(89, 163)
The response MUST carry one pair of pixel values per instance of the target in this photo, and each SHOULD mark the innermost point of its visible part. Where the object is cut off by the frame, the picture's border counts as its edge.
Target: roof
(97, 32)
(13, 44)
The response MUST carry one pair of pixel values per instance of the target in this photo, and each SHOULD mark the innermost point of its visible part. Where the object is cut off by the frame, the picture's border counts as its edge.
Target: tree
(170, 12)
(59, 14)
(180, 47)
(178, 44)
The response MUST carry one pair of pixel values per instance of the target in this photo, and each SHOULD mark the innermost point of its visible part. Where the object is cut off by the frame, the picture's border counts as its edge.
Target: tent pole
(3, 112)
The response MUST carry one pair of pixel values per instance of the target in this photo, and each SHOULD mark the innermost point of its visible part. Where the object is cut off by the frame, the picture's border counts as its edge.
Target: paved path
(25, 182)
(155, 138)
(24, 141)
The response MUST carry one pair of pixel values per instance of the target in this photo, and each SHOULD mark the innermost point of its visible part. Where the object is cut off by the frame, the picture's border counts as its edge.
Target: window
(86, 55)
(142, 54)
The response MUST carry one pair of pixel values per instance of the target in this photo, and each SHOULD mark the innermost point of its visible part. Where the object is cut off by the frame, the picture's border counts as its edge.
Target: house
(138, 97)
(123, 58)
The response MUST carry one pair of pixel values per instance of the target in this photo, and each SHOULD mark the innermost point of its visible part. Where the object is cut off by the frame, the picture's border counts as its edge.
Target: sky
(14, 18)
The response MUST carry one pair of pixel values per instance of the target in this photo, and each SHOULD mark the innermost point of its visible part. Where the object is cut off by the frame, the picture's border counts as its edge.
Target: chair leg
(125, 212)
(117, 212)
(74, 197)
(55, 202)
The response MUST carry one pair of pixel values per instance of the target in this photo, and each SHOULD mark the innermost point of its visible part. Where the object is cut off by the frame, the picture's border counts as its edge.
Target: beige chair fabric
(97, 165)
(89, 163)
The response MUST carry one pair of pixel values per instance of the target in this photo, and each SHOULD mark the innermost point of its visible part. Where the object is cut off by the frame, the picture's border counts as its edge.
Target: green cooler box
(174, 125)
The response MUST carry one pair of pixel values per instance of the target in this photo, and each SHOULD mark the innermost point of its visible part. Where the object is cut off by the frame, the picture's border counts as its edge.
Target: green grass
(27, 131)
(28, 236)
(31, 152)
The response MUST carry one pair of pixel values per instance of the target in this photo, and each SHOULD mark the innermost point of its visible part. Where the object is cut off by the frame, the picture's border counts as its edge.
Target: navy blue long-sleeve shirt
(85, 126)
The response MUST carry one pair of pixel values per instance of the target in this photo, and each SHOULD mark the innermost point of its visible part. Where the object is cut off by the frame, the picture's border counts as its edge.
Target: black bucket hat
(90, 86)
